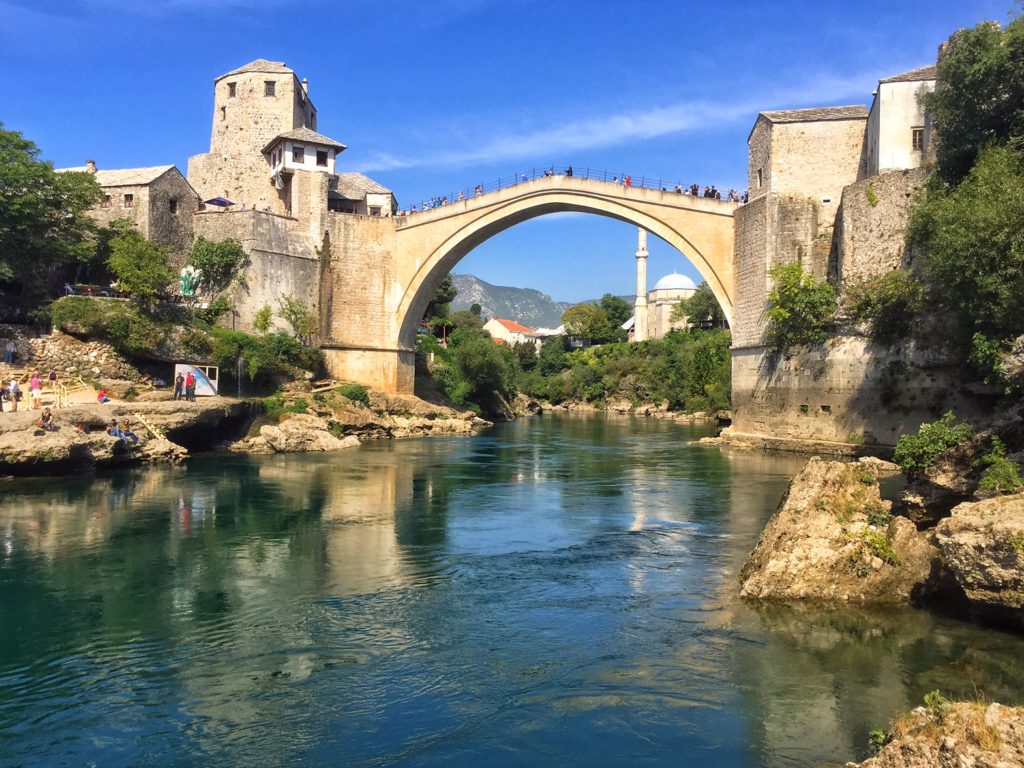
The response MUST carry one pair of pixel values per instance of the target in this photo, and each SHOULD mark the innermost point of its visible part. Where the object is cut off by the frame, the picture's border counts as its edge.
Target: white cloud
(623, 127)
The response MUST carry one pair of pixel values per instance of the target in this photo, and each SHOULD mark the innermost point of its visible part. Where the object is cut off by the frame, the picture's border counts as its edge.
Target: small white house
(897, 129)
(510, 332)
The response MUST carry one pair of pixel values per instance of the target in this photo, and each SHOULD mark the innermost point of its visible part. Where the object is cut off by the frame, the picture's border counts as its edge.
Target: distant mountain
(524, 305)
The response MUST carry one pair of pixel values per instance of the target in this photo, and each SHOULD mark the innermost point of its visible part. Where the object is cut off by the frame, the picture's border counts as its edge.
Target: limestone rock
(982, 544)
(833, 539)
(967, 735)
(297, 433)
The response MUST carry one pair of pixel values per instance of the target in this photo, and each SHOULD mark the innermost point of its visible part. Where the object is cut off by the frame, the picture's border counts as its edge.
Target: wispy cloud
(623, 127)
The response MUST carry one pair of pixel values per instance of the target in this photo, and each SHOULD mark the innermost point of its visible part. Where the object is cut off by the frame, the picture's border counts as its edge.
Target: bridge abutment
(385, 370)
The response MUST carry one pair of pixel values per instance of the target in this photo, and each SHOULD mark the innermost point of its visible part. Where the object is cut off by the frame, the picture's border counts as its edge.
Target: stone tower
(640, 307)
(251, 106)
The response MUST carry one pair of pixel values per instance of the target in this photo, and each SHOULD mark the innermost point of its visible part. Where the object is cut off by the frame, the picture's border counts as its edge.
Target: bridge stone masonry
(378, 275)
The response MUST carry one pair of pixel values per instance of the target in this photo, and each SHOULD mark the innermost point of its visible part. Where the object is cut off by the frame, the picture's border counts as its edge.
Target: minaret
(640, 307)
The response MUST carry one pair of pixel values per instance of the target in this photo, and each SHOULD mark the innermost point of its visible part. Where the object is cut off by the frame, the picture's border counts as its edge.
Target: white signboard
(206, 377)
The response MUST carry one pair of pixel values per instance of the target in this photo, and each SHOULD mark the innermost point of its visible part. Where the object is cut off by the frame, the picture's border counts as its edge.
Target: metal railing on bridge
(609, 177)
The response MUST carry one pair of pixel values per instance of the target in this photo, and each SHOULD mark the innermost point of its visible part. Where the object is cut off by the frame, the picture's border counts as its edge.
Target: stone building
(897, 130)
(158, 200)
(652, 311)
(356, 193)
(807, 152)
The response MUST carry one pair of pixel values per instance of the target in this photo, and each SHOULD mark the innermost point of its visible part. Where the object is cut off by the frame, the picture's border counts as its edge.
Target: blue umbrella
(223, 202)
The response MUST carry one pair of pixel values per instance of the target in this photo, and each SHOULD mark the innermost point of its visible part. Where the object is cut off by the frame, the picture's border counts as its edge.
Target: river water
(558, 591)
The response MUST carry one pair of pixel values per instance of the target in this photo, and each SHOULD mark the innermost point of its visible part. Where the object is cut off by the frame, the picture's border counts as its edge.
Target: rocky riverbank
(169, 431)
(957, 735)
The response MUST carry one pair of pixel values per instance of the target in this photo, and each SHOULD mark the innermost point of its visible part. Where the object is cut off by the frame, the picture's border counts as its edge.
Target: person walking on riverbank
(190, 387)
(9, 349)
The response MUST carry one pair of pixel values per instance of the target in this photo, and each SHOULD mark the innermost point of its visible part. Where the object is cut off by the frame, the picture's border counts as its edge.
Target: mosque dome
(675, 282)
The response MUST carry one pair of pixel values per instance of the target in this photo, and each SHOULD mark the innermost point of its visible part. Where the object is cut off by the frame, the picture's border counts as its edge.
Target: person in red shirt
(190, 387)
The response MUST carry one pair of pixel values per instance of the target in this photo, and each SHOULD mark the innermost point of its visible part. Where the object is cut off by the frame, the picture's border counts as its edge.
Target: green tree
(980, 95)
(218, 261)
(702, 305)
(304, 324)
(482, 363)
(588, 322)
(800, 308)
(43, 221)
(476, 309)
(618, 310)
(261, 322)
(440, 302)
(526, 354)
(551, 358)
(970, 238)
(888, 303)
(141, 266)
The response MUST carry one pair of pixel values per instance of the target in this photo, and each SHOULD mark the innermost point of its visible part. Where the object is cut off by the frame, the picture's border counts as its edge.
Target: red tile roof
(513, 326)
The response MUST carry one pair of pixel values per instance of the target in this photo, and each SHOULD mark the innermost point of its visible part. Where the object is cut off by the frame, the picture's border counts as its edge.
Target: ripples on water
(560, 591)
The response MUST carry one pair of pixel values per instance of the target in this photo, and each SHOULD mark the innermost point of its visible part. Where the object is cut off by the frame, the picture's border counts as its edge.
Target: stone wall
(67, 355)
(759, 158)
(848, 390)
(772, 230)
(283, 261)
(870, 239)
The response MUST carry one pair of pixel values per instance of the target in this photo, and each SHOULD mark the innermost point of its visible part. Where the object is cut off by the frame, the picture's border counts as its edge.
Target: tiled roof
(513, 326)
(356, 186)
(852, 112)
(261, 65)
(307, 135)
(921, 73)
(125, 177)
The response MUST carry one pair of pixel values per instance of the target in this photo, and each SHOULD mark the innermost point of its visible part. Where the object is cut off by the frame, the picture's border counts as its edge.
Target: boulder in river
(297, 432)
(833, 538)
(982, 544)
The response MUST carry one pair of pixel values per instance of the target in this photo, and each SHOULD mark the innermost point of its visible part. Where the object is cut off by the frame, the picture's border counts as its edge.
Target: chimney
(90, 166)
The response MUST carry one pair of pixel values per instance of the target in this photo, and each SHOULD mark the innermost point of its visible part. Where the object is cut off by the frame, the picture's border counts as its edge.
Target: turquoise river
(561, 591)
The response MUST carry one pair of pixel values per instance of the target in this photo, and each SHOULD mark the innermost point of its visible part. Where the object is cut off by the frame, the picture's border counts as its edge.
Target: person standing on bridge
(627, 180)
(568, 171)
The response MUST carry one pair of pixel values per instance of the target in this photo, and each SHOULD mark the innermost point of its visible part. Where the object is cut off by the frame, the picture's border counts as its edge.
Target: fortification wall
(849, 390)
(283, 261)
(771, 230)
(871, 231)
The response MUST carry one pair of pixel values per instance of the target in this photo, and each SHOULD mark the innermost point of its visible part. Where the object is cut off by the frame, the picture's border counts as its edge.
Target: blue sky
(432, 96)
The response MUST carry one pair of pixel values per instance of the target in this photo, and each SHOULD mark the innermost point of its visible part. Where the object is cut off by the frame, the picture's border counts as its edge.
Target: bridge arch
(373, 296)
(436, 241)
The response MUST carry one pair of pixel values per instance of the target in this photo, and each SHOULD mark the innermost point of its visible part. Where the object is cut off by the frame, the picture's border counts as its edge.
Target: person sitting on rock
(126, 432)
(102, 396)
(46, 421)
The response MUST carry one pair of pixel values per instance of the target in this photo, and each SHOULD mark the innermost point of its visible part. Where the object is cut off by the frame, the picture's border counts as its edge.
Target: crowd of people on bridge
(694, 190)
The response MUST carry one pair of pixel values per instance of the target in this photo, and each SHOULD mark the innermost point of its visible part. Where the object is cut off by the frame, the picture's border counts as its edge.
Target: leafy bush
(217, 261)
(800, 308)
(985, 359)
(915, 453)
(261, 322)
(937, 705)
(881, 547)
(120, 323)
(888, 304)
(265, 356)
(969, 237)
(1001, 476)
(275, 406)
(141, 266)
(356, 393)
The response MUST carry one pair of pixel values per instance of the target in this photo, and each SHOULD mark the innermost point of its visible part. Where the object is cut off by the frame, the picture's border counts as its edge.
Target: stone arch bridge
(371, 305)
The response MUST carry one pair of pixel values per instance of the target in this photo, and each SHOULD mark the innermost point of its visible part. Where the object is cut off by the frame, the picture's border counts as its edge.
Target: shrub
(915, 453)
(1001, 476)
(275, 406)
(876, 740)
(800, 308)
(872, 196)
(140, 265)
(261, 322)
(937, 705)
(888, 304)
(217, 261)
(985, 359)
(356, 393)
(881, 547)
